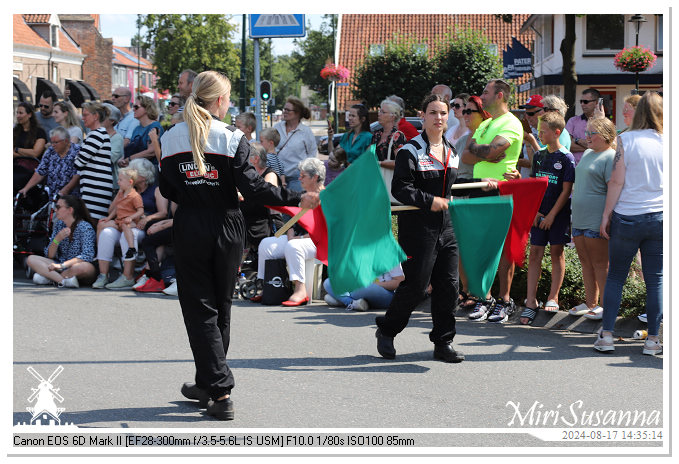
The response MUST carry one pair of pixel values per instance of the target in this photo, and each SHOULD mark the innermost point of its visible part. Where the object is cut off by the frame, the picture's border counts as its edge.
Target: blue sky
(122, 27)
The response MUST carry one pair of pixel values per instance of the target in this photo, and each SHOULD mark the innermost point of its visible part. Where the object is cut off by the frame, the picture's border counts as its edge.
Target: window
(604, 32)
(421, 49)
(376, 50)
(548, 37)
(54, 36)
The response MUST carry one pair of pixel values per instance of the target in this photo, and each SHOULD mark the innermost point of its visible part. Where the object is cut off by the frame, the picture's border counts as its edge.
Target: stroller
(247, 284)
(33, 218)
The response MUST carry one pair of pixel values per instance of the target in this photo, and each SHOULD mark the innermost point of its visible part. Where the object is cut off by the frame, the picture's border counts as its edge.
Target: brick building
(363, 34)
(43, 49)
(97, 66)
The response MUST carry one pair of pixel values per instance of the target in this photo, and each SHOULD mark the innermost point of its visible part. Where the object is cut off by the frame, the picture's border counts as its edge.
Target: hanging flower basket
(142, 89)
(634, 59)
(334, 72)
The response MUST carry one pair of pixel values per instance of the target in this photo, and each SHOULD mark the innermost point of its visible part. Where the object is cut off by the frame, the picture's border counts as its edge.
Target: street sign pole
(258, 96)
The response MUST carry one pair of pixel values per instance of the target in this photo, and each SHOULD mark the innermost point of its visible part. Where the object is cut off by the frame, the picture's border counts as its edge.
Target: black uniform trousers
(430, 244)
(208, 247)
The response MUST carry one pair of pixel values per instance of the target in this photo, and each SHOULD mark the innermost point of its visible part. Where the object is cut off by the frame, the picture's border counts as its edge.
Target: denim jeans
(293, 183)
(376, 296)
(629, 234)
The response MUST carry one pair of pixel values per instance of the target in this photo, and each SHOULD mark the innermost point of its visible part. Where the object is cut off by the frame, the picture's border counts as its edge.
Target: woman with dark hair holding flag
(203, 162)
(426, 169)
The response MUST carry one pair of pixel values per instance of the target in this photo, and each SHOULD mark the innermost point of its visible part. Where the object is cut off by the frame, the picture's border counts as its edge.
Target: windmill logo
(45, 410)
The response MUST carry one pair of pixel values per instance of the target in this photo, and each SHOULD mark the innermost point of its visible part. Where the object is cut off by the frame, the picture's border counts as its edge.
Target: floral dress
(381, 149)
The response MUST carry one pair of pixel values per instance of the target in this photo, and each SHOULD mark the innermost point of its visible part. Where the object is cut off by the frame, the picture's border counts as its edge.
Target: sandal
(529, 313)
(469, 301)
(551, 306)
(579, 310)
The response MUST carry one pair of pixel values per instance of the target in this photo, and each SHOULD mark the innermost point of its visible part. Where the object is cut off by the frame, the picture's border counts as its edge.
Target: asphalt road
(125, 356)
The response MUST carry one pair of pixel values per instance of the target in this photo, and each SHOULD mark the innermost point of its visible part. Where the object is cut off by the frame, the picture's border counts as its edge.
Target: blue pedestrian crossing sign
(276, 25)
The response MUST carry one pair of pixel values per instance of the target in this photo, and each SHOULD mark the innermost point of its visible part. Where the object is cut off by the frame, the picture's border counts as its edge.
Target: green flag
(480, 226)
(357, 211)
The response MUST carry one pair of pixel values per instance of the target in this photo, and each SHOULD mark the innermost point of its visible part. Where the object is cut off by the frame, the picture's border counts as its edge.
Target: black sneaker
(193, 392)
(503, 309)
(222, 410)
(482, 309)
(131, 254)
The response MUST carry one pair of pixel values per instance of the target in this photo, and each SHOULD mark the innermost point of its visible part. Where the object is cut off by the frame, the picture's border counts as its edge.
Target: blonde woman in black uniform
(203, 162)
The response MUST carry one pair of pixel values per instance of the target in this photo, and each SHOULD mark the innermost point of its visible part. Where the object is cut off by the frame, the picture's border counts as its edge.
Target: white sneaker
(652, 348)
(604, 344)
(41, 280)
(359, 305)
(172, 289)
(69, 282)
(140, 283)
(332, 301)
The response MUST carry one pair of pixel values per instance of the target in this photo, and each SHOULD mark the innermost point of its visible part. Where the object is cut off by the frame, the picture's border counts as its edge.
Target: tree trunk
(570, 78)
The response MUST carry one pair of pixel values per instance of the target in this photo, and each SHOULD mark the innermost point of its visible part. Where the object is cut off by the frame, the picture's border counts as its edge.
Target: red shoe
(256, 298)
(152, 285)
(304, 300)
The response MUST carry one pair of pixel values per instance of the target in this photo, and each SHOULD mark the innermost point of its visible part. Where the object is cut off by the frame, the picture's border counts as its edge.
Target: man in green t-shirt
(494, 150)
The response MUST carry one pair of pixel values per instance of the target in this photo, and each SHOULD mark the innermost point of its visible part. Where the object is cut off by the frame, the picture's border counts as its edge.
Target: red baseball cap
(535, 101)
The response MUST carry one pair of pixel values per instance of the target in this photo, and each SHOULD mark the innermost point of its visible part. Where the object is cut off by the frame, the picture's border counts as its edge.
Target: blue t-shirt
(558, 167)
(139, 141)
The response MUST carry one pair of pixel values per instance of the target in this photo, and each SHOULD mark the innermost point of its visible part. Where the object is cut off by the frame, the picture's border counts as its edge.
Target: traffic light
(265, 90)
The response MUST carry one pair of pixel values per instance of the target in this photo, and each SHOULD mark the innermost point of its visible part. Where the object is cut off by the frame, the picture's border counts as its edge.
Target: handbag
(276, 285)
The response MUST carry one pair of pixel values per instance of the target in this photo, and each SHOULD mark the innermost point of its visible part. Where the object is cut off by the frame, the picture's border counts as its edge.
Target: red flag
(527, 195)
(314, 223)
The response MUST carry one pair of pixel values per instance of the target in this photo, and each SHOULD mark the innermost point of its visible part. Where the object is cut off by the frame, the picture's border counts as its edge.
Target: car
(323, 142)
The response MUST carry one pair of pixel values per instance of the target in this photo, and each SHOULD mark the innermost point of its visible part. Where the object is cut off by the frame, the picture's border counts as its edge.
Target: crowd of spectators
(604, 195)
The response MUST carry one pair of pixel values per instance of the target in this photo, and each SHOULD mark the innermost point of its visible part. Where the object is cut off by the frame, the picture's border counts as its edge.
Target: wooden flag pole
(291, 222)
(454, 187)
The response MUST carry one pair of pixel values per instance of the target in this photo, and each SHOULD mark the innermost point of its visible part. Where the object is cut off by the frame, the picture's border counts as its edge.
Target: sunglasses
(136, 107)
(457, 106)
(173, 104)
(590, 133)
(533, 113)
(584, 102)
(115, 95)
(43, 106)
(546, 110)
(468, 111)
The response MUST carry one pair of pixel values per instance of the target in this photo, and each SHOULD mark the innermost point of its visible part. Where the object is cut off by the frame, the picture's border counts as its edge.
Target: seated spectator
(146, 111)
(126, 208)
(70, 252)
(377, 295)
(155, 207)
(29, 143)
(270, 139)
(57, 165)
(66, 117)
(295, 246)
(260, 221)
(247, 124)
(158, 238)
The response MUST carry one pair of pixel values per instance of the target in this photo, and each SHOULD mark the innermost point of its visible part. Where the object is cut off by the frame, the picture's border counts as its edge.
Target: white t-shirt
(643, 188)
(387, 276)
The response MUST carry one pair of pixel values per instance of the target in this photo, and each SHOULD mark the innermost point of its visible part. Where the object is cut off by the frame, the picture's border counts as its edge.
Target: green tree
(313, 52)
(284, 80)
(193, 41)
(403, 69)
(465, 62)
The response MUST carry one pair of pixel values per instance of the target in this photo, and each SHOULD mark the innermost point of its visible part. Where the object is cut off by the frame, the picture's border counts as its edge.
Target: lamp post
(637, 19)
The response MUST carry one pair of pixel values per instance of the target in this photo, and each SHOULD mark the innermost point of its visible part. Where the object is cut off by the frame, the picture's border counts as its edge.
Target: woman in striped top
(94, 162)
